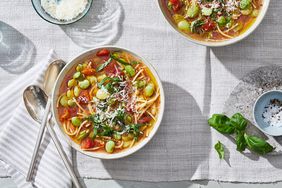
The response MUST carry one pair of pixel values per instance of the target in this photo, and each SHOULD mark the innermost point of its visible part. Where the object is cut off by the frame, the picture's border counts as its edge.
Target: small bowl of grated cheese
(267, 113)
(61, 12)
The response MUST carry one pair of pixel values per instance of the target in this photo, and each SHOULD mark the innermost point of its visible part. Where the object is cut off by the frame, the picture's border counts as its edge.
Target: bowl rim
(67, 22)
(103, 155)
(225, 42)
(255, 105)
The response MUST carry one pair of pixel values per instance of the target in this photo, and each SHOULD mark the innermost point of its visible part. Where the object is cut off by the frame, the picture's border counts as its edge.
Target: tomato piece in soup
(90, 143)
(68, 113)
(209, 26)
(145, 119)
(110, 69)
(88, 72)
(73, 111)
(87, 143)
(103, 52)
(65, 115)
(83, 97)
(176, 5)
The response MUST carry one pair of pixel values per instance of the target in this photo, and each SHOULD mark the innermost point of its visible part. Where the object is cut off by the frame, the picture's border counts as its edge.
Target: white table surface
(8, 183)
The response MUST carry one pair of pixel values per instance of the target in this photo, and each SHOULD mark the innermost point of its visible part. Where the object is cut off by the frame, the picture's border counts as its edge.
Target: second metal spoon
(35, 102)
(49, 80)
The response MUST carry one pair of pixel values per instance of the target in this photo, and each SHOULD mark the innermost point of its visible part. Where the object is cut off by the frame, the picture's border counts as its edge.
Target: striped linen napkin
(19, 132)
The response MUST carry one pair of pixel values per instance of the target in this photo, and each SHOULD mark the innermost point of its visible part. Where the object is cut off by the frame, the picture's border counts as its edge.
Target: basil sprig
(118, 59)
(110, 84)
(258, 145)
(237, 125)
(240, 141)
(220, 149)
(221, 123)
(102, 66)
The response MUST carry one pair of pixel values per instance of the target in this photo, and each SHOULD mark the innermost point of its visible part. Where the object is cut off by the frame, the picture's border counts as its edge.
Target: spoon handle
(38, 141)
(63, 155)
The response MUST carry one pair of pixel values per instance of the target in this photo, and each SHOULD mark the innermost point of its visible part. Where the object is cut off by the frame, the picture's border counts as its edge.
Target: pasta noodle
(109, 102)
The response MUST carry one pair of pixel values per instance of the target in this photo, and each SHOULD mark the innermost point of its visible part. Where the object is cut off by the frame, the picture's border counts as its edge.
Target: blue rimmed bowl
(45, 16)
(259, 108)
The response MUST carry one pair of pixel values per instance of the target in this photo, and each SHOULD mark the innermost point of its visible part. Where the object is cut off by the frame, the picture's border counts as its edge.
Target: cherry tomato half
(209, 26)
(103, 52)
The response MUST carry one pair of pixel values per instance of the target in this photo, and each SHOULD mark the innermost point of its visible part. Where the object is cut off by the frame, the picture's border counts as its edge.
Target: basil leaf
(258, 145)
(240, 141)
(95, 119)
(239, 122)
(93, 134)
(220, 149)
(221, 123)
(134, 62)
(135, 129)
(114, 79)
(120, 60)
(102, 66)
(195, 25)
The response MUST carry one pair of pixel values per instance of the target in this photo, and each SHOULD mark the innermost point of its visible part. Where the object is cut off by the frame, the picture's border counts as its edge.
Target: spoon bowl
(35, 101)
(51, 75)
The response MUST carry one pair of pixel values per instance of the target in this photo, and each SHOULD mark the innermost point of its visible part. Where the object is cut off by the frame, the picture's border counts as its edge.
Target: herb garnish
(118, 59)
(237, 124)
(258, 145)
(112, 80)
(221, 123)
(220, 150)
(240, 141)
(102, 66)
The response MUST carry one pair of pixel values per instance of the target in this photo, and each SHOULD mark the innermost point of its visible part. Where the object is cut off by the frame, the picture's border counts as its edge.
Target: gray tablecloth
(197, 81)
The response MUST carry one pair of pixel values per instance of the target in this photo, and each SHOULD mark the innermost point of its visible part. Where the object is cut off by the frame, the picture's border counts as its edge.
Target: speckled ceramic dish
(44, 15)
(244, 96)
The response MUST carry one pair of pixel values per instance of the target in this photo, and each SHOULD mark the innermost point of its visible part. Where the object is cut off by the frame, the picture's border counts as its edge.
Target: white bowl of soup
(108, 102)
(214, 22)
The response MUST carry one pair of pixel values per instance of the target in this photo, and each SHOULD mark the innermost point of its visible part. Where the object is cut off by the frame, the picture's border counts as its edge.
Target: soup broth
(213, 20)
(109, 102)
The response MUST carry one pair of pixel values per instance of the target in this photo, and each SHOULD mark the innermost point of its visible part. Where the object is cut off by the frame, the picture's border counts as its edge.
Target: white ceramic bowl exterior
(100, 155)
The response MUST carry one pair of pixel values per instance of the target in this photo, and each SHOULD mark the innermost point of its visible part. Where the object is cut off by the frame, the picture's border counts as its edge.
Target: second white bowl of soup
(216, 22)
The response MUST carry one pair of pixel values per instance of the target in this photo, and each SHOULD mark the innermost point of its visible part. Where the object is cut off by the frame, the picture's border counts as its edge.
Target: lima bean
(110, 146)
(76, 91)
(64, 101)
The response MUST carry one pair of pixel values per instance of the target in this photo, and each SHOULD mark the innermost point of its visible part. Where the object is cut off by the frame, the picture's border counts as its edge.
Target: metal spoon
(49, 80)
(35, 101)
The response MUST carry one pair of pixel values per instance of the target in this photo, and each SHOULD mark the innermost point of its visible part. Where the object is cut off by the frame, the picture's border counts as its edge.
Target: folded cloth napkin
(19, 132)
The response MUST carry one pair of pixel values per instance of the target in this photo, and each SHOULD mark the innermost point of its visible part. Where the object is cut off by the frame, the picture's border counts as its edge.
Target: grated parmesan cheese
(232, 5)
(229, 5)
(64, 9)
